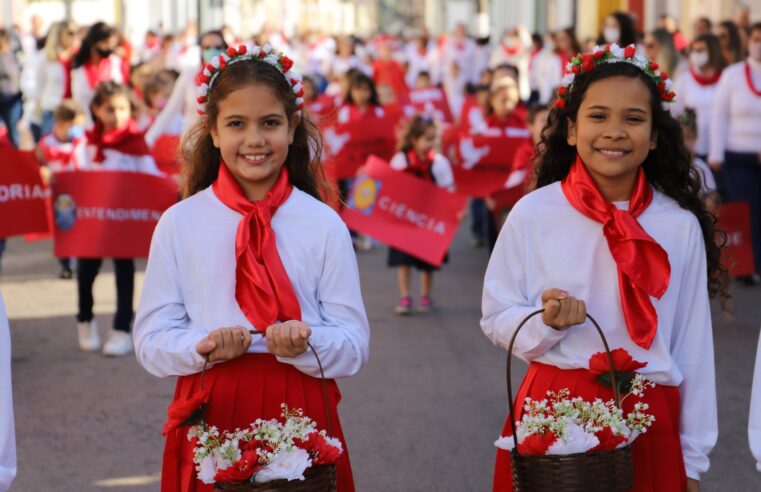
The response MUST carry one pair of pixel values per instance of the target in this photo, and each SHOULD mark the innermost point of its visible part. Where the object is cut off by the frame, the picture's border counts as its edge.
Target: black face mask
(104, 53)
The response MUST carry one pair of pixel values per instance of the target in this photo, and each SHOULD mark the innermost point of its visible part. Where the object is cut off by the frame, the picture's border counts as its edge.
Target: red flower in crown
(653, 65)
(286, 63)
(559, 103)
(630, 51)
(587, 62)
(622, 362)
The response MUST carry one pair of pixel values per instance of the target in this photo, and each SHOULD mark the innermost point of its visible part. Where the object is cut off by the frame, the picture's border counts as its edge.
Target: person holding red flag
(251, 247)
(114, 144)
(616, 228)
(416, 156)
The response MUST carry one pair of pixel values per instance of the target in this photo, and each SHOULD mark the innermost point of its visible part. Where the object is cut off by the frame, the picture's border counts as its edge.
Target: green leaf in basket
(623, 381)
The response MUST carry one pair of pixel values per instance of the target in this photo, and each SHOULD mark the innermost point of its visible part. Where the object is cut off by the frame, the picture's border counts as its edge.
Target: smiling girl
(615, 227)
(251, 247)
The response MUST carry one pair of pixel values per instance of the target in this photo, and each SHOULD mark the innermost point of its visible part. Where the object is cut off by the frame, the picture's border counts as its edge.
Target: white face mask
(754, 50)
(698, 59)
(611, 34)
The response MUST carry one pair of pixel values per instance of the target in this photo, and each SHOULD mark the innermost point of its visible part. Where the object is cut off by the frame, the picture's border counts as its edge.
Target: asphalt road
(422, 416)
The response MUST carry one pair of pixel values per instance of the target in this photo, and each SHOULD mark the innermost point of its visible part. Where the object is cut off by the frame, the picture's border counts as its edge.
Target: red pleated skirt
(244, 389)
(656, 455)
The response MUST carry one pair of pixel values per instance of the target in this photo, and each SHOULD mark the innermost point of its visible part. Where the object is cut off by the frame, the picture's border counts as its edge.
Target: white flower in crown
(616, 50)
(568, 79)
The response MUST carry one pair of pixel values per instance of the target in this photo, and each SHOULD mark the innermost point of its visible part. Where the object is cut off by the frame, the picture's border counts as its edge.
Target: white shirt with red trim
(546, 243)
(189, 287)
(691, 94)
(59, 156)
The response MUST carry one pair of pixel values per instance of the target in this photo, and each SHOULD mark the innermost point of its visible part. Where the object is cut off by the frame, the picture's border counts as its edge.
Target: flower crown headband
(613, 53)
(244, 52)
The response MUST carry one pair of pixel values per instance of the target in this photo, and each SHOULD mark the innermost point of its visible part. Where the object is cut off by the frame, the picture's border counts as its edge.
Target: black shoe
(66, 273)
(750, 280)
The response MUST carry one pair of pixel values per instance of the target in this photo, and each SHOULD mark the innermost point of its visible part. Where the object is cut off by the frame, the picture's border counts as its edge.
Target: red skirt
(656, 455)
(244, 389)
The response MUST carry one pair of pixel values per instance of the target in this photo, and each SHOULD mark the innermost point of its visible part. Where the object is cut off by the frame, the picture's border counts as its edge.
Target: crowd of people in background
(59, 88)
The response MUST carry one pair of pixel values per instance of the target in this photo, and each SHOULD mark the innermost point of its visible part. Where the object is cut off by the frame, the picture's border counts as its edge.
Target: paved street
(421, 416)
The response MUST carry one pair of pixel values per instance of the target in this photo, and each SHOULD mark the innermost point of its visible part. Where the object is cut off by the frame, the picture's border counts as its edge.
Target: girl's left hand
(693, 485)
(288, 339)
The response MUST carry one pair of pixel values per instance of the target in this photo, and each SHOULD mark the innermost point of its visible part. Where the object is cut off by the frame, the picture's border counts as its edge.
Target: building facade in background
(365, 17)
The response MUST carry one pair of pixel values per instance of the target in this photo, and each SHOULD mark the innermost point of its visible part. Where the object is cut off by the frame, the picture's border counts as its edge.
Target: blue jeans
(743, 174)
(11, 108)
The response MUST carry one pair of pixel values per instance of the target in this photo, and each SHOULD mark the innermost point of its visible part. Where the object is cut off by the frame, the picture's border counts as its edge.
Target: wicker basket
(603, 471)
(320, 478)
(317, 479)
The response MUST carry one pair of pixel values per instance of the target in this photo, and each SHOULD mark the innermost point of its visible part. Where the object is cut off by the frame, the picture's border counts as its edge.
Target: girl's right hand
(224, 344)
(562, 311)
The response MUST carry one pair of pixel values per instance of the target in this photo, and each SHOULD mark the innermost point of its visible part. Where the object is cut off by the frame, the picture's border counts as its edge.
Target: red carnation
(240, 471)
(201, 99)
(222, 62)
(587, 63)
(608, 440)
(300, 93)
(598, 54)
(242, 49)
(203, 79)
(181, 410)
(630, 51)
(653, 65)
(664, 76)
(210, 67)
(559, 103)
(262, 54)
(668, 96)
(321, 452)
(575, 69)
(661, 86)
(232, 51)
(537, 444)
(622, 362)
(286, 63)
(562, 91)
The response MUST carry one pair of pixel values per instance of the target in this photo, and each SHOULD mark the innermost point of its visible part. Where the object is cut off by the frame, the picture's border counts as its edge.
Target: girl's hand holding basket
(562, 311)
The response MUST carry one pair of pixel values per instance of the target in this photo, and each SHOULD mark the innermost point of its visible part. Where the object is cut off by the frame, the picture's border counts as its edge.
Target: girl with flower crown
(252, 246)
(615, 227)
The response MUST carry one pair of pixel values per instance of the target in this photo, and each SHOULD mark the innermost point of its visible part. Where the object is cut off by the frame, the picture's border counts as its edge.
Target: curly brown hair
(668, 167)
(202, 159)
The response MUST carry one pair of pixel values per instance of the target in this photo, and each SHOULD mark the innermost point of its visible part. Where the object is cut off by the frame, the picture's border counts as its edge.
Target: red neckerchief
(512, 51)
(419, 167)
(749, 79)
(512, 121)
(128, 140)
(262, 287)
(642, 264)
(98, 73)
(703, 80)
(66, 64)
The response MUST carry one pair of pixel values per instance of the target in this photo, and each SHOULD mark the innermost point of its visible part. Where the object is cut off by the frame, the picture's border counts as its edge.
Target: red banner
(431, 102)
(349, 145)
(485, 160)
(22, 194)
(108, 214)
(406, 212)
(734, 219)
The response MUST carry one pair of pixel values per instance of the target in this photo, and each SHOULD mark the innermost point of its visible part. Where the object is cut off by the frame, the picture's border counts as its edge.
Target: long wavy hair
(202, 159)
(668, 167)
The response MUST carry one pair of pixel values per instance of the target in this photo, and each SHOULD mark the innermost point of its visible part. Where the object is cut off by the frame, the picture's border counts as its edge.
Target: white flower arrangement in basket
(264, 451)
(562, 425)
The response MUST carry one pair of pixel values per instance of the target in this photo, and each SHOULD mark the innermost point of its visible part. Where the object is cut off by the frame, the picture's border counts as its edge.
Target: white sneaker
(89, 339)
(119, 343)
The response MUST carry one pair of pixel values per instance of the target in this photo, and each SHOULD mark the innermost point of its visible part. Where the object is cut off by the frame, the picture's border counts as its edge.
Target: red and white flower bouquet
(562, 424)
(266, 450)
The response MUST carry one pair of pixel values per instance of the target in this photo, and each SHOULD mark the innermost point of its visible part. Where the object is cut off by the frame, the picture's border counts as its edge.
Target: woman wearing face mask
(181, 103)
(697, 85)
(735, 144)
(619, 28)
(95, 63)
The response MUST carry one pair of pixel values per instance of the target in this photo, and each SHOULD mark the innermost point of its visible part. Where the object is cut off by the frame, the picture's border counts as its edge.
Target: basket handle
(322, 380)
(509, 372)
